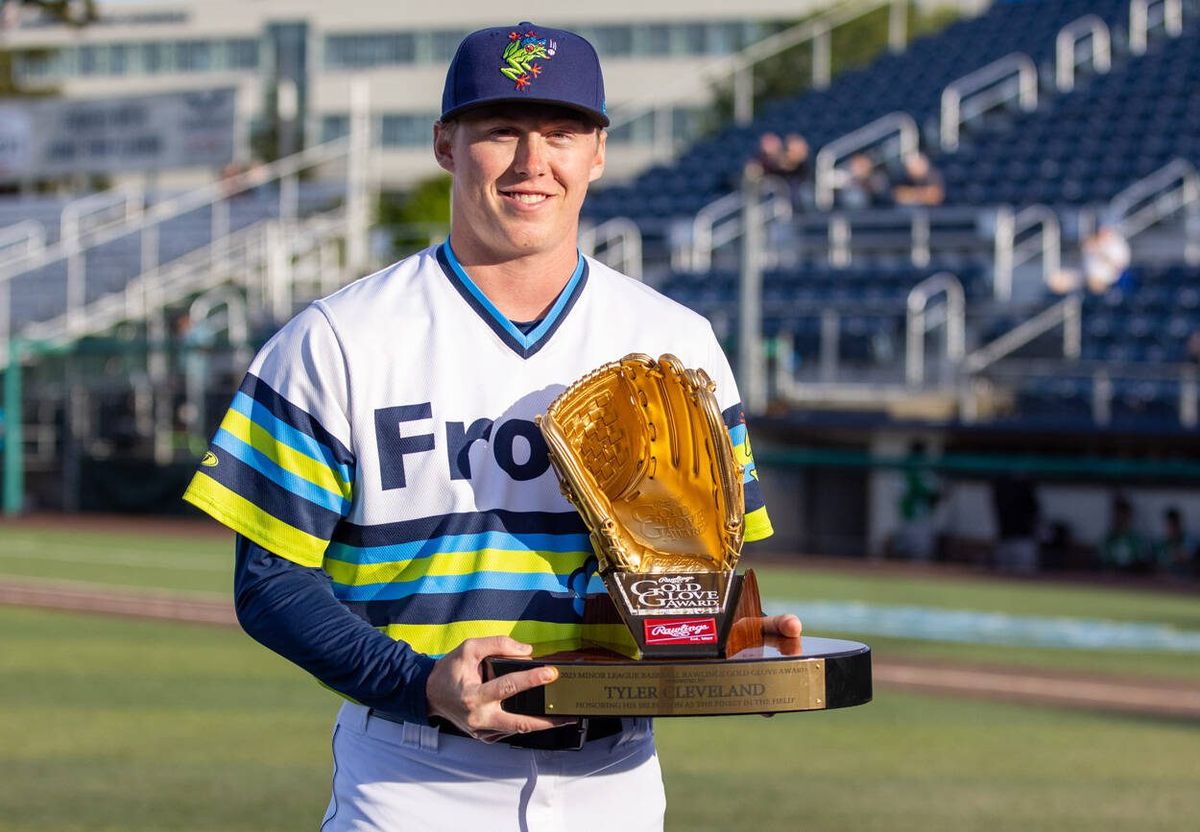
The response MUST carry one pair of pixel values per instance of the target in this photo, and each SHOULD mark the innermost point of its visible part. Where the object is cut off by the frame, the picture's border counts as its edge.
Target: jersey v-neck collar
(523, 344)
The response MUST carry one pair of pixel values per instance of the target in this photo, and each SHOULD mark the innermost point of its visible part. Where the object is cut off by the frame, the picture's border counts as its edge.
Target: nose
(531, 156)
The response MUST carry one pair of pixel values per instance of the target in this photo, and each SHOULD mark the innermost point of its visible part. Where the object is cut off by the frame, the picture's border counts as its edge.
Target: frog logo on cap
(521, 52)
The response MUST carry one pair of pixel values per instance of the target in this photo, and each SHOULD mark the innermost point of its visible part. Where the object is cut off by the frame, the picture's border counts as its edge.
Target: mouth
(525, 197)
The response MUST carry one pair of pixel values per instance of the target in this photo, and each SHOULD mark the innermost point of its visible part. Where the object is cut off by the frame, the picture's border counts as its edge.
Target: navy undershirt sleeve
(291, 609)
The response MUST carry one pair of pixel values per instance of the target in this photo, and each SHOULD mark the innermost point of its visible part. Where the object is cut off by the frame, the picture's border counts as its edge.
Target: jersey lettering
(539, 456)
(458, 445)
(393, 446)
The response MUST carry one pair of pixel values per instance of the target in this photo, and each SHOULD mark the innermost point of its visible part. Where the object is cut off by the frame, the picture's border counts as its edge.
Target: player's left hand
(456, 690)
(787, 626)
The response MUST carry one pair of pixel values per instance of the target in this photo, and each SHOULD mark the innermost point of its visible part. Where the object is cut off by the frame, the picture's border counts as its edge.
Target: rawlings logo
(519, 56)
(681, 631)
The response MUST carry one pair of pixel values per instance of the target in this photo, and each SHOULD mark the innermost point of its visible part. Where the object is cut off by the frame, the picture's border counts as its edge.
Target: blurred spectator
(787, 159)
(860, 185)
(1175, 554)
(1193, 347)
(917, 537)
(1015, 503)
(1064, 281)
(1058, 551)
(1124, 550)
(919, 183)
(770, 152)
(1106, 260)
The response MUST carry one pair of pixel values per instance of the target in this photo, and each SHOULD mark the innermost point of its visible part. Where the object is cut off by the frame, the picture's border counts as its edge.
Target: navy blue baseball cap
(525, 64)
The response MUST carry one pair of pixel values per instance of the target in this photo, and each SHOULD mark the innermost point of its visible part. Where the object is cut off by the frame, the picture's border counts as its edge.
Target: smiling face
(520, 177)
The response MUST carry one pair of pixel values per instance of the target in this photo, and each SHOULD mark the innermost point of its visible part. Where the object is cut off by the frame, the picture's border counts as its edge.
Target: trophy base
(777, 676)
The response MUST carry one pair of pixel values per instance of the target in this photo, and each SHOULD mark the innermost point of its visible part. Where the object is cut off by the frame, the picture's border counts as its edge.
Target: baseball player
(396, 514)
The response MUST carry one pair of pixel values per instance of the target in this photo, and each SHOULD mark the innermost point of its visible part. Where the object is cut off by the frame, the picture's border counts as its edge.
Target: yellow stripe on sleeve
(758, 525)
(286, 457)
(244, 517)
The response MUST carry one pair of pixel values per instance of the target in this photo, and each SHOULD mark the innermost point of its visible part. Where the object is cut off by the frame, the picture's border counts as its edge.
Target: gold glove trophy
(642, 451)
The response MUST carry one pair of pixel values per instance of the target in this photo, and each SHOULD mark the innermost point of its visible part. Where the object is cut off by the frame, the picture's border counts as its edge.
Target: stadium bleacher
(911, 82)
(1085, 146)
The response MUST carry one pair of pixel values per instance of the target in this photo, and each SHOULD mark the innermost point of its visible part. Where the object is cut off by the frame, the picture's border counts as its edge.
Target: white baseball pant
(389, 777)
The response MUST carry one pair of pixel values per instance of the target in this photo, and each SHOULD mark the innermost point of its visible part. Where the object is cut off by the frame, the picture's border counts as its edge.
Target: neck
(522, 288)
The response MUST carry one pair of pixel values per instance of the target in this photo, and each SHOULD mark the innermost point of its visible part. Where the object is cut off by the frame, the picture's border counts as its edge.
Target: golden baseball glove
(642, 452)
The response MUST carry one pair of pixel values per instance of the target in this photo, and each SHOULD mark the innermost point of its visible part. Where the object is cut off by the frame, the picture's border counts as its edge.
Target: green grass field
(111, 724)
(124, 726)
(204, 564)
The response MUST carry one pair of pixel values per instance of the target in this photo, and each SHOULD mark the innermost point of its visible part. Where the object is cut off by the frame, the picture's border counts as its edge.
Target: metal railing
(23, 239)
(919, 323)
(984, 90)
(616, 242)
(1009, 254)
(1067, 313)
(900, 125)
(911, 231)
(1139, 22)
(1105, 379)
(98, 207)
(148, 223)
(1171, 189)
(720, 222)
(1066, 58)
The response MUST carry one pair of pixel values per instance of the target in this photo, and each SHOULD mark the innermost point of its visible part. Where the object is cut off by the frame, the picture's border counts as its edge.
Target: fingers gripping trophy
(641, 450)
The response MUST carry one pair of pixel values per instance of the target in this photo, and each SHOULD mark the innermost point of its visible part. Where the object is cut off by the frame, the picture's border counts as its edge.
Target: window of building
(194, 56)
(334, 127)
(242, 53)
(407, 129)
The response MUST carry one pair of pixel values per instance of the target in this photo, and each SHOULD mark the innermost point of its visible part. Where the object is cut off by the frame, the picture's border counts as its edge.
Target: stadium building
(295, 59)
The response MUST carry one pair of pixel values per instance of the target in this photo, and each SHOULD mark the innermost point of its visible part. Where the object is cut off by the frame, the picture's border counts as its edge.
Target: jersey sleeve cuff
(758, 525)
(410, 701)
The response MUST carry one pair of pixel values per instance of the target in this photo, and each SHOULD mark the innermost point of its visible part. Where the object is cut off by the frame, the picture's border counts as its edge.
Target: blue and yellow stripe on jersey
(436, 581)
(275, 475)
(758, 524)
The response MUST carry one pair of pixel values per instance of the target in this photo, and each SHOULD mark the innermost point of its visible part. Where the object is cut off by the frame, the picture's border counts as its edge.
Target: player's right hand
(457, 692)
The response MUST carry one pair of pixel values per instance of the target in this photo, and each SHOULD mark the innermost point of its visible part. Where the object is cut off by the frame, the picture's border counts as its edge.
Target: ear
(598, 162)
(443, 145)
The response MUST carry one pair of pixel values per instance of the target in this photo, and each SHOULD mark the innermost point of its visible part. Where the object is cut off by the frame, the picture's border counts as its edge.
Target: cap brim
(598, 118)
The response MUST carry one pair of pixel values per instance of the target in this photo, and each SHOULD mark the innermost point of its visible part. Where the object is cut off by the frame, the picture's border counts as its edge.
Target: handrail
(1139, 22)
(917, 326)
(1009, 255)
(620, 234)
(30, 232)
(719, 222)
(184, 203)
(1068, 312)
(1158, 188)
(236, 318)
(1064, 47)
(870, 134)
(131, 198)
(739, 67)
(978, 82)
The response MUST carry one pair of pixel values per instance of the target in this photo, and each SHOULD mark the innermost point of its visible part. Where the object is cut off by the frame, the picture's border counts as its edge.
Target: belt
(563, 738)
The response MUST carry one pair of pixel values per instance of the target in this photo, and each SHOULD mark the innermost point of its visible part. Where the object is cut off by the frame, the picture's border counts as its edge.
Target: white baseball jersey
(387, 435)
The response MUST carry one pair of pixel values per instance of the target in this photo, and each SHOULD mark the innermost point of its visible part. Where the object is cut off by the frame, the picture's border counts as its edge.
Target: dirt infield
(1076, 690)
